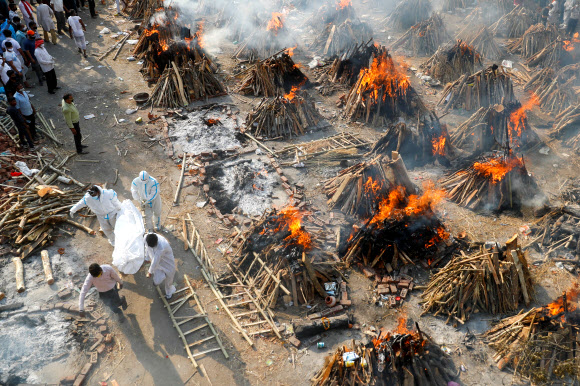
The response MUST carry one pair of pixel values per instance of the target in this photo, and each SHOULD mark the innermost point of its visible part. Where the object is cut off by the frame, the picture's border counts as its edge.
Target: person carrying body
(145, 189)
(105, 280)
(158, 250)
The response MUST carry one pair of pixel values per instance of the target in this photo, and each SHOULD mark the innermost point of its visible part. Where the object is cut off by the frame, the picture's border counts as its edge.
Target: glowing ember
(290, 51)
(402, 326)
(557, 306)
(496, 168)
(384, 73)
(292, 93)
(276, 23)
(569, 44)
(343, 4)
(289, 218)
(372, 186)
(518, 118)
(439, 145)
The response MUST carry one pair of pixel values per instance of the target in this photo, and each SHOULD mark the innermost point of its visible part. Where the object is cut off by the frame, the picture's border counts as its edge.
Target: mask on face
(42, 46)
(10, 50)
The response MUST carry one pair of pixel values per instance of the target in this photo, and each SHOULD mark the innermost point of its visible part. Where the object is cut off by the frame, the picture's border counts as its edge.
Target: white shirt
(162, 260)
(103, 283)
(4, 73)
(45, 60)
(74, 22)
(12, 57)
(44, 14)
(57, 4)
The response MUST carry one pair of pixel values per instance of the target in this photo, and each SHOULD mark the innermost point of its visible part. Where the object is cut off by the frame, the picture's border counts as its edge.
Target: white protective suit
(162, 264)
(106, 207)
(146, 188)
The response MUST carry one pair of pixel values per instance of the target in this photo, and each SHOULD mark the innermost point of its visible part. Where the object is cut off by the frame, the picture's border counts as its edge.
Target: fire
(199, 34)
(383, 73)
(518, 118)
(557, 306)
(496, 168)
(276, 23)
(442, 234)
(372, 186)
(292, 93)
(439, 145)
(343, 4)
(402, 326)
(289, 218)
(569, 44)
(290, 51)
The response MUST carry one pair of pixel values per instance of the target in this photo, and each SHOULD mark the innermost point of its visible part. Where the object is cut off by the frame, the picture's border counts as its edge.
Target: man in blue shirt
(28, 46)
(20, 124)
(26, 109)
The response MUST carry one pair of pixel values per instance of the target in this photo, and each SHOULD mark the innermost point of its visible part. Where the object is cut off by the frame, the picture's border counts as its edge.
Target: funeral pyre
(382, 92)
(274, 76)
(556, 90)
(399, 357)
(142, 9)
(515, 23)
(452, 61)
(487, 87)
(534, 40)
(483, 41)
(496, 181)
(424, 38)
(566, 127)
(408, 13)
(492, 279)
(497, 127)
(560, 52)
(557, 234)
(266, 41)
(540, 344)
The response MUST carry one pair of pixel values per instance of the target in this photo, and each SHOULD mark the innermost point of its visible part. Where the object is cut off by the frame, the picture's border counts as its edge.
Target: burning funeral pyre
(534, 40)
(494, 182)
(382, 92)
(514, 24)
(287, 116)
(274, 76)
(266, 41)
(452, 61)
(471, 283)
(556, 90)
(424, 38)
(497, 127)
(560, 52)
(420, 145)
(540, 344)
(399, 357)
(408, 13)
(487, 87)
(483, 42)
(333, 13)
(142, 9)
(559, 231)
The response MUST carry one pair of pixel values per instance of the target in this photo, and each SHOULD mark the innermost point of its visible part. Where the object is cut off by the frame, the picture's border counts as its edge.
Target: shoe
(84, 146)
(52, 92)
(85, 55)
(82, 152)
(80, 51)
(124, 303)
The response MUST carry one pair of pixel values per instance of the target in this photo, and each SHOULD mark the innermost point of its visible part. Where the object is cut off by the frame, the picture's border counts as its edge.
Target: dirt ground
(148, 350)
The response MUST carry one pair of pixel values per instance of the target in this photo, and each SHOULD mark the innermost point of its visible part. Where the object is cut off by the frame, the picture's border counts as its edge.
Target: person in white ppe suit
(145, 189)
(158, 250)
(103, 203)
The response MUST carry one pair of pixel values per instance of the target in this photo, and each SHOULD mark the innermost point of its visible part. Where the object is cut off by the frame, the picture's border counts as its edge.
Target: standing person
(26, 109)
(20, 54)
(105, 205)
(69, 6)
(46, 62)
(4, 8)
(20, 35)
(76, 31)
(573, 20)
(145, 189)
(5, 25)
(29, 47)
(106, 280)
(27, 12)
(158, 250)
(13, 12)
(118, 7)
(13, 61)
(554, 13)
(44, 14)
(59, 13)
(71, 116)
(11, 86)
(92, 9)
(20, 123)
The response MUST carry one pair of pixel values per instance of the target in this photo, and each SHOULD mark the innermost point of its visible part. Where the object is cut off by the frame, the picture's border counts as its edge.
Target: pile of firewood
(424, 37)
(451, 61)
(336, 38)
(271, 77)
(483, 41)
(408, 13)
(494, 128)
(265, 42)
(556, 90)
(539, 344)
(332, 13)
(139, 9)
(451, 5)
(487, 87)
(566, 127)
(553, 55)
(534, 40)
(283, 117)
(493, 280)
(358, 189)
(399, 357)
(557, 233)
(496, 182)
(178, 87)
(514, 24)
(572, 194)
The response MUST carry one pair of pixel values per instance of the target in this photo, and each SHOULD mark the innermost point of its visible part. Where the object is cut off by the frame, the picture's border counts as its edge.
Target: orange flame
(439, 145)
(292, 216)
(383, 72)
(372, 186)
(343, 4)
(292, 93)
(557, 306)
(276, 23)
(199, 34)
(290, 51)
(496, 168)
(569, 44)
(517, 119)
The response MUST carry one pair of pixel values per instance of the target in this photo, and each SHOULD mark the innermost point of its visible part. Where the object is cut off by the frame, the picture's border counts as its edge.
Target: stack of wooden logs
(552, 55)
(487, 87)
(336, 38)
(534, 40)
(566, 127)
(493, 183)
(283, 117)
(482, 40)
(271, 77)
(556, 90)
(493, 280)
(178, 87)
(262, 44)
(138, 9)
(424, 38)
(451, 61)
(408, 13)
(539, 344)
(514, 24)
(558, 233)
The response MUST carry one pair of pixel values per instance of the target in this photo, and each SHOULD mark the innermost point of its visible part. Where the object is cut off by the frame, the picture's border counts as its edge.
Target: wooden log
(306, 329)
(46, 266)
(19, 274)
(312, 275)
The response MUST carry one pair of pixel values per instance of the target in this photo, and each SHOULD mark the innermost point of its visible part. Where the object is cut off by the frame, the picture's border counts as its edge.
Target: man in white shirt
(59, 13)
(44, 14)
(76, 31)
(159, 252)
(27, 12)
(105, 280)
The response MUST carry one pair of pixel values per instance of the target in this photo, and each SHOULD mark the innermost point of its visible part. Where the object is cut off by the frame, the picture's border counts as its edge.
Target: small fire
(557, 306)
(290, 51)
(402, 326)
(372, 186)
(496, 168)
(292, 93)
(517, 120)
(292, 217)
(439, 145)
(569, 44)
(276, 23)
(383, 72)
(199, 34)
(343, 4)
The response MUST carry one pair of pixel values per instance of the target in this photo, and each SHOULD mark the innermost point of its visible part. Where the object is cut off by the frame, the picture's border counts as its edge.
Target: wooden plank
(312, 276)
(518, 266)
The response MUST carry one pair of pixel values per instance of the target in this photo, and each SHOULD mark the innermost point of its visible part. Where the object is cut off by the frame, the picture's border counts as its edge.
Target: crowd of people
(563, 14)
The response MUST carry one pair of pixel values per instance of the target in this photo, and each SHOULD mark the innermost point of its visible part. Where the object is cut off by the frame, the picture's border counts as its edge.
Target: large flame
(557, 306)
(276, 22)
(383, 72)
(517, 121)
(496, 168)
(289, 218)
(292, 94)
(343, 4)
(199, 34)
(439, 145)
(569, 44)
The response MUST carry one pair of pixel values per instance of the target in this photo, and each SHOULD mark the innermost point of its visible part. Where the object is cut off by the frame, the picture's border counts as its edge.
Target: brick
(86, 368)
(299, 185)
(346, 302)
(294, 341)
(64, 293)
(289, 192)
(219, 214)
(101, 348)
(94, 357)
(279, 171)
(212, 200)
(206, 188)
(286, 186)
(284, 179)
(97, 343)
(392, 301)
(80, 379)
(103, 330)
(393, 288)
(100, 322)
(66, 381)
(59, 305)
(108, 338)
(411, 286)
(403, 284)
(344, 295)
(404, 293)
(386, 279)
(368, 272)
